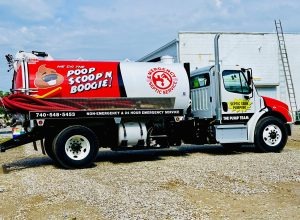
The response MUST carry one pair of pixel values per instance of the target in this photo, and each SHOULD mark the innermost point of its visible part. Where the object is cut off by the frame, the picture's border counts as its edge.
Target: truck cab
(230, 101)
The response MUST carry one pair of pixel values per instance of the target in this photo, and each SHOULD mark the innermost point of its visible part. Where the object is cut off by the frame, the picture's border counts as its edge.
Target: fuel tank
(103, 84)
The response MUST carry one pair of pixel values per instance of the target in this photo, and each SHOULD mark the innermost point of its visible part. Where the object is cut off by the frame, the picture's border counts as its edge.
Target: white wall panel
(256, 50)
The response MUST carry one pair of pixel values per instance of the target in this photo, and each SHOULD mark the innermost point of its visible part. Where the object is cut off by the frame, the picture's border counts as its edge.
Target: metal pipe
(217, 80)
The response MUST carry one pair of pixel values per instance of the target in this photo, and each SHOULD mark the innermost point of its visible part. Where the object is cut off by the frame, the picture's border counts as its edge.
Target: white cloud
(128, 28)
(33, 9)
(3, 39)
(23, 30)
(218, 3)
(142, 16)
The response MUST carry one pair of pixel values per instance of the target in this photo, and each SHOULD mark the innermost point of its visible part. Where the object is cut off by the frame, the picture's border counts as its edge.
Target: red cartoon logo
(47, 78)
(162, 80)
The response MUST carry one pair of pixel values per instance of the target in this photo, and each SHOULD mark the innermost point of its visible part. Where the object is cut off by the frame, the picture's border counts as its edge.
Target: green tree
(2, 94)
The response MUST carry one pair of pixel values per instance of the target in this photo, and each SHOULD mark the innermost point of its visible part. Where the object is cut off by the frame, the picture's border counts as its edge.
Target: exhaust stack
(217, 80)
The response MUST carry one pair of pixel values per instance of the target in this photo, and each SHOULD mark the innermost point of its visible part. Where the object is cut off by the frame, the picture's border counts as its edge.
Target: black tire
(48, 142)
(270, 135)
(75, 147)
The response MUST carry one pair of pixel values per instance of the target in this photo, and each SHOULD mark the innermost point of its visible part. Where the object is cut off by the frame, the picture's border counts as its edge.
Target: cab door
(202, 95)
(237, 99)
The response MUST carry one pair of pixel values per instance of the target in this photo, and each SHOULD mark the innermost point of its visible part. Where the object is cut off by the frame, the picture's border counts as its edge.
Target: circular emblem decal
(162, 80)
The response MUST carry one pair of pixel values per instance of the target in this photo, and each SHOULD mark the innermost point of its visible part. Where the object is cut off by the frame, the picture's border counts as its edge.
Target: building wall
(256, 50)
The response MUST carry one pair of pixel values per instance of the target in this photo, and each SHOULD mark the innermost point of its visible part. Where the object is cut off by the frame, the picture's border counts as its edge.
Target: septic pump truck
(74, 107)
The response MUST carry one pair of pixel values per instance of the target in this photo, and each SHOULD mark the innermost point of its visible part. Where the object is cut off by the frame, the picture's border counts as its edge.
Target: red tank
(102, 85)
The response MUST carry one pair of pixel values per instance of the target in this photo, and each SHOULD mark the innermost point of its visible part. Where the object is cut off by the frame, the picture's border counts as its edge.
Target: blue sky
(120, 29)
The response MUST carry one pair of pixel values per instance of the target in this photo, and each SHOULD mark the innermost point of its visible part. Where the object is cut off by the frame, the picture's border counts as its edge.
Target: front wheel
(270, 135)
(75, 147)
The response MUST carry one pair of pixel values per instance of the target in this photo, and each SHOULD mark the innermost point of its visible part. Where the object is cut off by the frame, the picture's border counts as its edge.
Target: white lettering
(108, 74)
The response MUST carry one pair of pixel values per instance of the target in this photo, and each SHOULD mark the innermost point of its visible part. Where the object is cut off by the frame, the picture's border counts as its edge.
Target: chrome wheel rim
(272, 135)
(77, 147)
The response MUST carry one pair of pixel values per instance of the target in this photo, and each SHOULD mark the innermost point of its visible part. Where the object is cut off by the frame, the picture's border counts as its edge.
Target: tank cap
(167, 59)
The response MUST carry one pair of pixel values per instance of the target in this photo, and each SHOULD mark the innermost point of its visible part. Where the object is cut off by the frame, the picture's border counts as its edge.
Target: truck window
(235, 81)
(200, 81)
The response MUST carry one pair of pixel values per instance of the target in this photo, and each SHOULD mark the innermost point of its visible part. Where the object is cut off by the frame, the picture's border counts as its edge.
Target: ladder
(286, 69)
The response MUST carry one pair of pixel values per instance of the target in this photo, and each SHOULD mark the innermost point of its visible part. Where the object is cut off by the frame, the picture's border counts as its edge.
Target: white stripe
(26, 78)
(23, 76)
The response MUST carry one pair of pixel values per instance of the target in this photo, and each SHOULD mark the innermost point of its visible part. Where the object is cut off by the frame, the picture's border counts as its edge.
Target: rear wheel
(270, 135)
(48, 142)
(75, 147)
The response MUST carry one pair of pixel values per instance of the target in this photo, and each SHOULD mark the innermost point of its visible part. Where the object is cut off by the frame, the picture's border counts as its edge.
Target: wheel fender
(253, 122)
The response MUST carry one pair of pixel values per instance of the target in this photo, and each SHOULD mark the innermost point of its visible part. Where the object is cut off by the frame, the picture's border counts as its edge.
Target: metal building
(260, 51)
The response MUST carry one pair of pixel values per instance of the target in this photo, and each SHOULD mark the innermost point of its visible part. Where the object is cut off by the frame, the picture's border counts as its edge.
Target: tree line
(2, 94)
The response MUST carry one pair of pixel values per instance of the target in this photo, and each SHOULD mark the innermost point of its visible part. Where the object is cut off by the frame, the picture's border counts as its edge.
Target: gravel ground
(190, 182)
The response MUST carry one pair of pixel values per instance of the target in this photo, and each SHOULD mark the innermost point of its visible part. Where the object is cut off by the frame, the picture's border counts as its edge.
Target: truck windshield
(235, 81)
